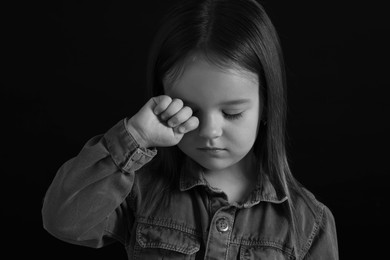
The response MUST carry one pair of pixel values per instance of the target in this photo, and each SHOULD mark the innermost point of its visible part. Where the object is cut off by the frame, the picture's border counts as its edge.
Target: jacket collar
(192, 175)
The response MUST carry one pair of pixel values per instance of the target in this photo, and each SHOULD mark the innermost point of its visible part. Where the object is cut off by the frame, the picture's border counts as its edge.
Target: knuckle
(167, 99)
(178, 118)
(178, 102)
(187, 110)
(188, 123)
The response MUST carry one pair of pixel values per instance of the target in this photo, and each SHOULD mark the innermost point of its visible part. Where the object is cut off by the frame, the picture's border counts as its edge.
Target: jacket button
(222, 225)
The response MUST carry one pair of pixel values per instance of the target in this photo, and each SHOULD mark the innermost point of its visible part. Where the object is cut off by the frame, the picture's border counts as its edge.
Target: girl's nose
(210, 127)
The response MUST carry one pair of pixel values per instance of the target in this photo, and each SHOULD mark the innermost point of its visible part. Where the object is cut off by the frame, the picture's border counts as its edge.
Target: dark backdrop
(74, 69)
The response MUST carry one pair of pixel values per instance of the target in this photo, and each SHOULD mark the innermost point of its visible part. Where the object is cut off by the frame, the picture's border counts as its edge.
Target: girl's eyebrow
(229, 102)
(236, 101)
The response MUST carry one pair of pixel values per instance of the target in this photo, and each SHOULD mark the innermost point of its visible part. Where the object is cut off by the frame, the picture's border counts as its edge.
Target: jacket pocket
(262, 252)
(159, 242)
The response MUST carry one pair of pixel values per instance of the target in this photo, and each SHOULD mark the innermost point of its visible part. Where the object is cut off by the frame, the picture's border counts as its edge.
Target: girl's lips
(211, 149)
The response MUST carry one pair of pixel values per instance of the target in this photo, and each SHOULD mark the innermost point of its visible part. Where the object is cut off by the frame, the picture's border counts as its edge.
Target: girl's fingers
(183, 115)
(161, 103)
(179, 116)
(191, 124)
(172, 109)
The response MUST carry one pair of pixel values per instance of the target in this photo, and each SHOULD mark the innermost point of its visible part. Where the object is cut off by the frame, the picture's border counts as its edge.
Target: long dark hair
(226, 32)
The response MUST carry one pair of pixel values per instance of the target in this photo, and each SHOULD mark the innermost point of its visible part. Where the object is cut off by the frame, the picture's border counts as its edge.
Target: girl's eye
(228, 116)
(232, 116)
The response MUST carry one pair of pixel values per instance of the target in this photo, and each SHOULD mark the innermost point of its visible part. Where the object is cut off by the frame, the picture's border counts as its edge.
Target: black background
(74, 69)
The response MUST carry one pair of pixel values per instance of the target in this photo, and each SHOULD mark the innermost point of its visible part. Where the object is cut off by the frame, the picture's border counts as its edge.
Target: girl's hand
(162, 122)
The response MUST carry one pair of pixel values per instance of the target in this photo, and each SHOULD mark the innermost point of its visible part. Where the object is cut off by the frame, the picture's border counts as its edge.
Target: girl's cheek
(186, 137)
(190, 135)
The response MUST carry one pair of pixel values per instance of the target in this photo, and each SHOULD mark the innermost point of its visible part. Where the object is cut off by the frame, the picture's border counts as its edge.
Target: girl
(200, 172)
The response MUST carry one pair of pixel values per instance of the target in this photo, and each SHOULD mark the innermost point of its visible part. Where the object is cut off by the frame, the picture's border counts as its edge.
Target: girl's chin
(213, 165)
(221, 163)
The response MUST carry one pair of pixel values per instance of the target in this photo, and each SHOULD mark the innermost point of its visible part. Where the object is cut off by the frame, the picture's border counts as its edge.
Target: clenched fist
(162, 122)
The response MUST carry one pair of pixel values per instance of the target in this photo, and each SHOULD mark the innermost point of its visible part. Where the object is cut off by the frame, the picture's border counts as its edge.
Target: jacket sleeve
(324, 243)
(86, 202)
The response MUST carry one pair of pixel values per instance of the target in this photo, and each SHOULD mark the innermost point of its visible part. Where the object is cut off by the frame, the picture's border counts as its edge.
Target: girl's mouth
(212, 150)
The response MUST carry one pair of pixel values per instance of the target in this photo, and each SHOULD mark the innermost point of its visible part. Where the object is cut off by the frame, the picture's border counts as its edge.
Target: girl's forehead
(202, 62)
(202, 81)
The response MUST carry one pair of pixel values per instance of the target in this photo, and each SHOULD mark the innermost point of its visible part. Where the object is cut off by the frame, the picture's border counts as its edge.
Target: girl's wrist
(136, 135)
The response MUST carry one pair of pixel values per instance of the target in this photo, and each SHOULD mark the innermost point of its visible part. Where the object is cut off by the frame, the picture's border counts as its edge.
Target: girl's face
(226, 102)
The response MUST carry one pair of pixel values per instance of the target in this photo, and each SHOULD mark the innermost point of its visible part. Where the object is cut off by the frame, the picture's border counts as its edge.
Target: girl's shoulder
(309, 204)
(314, 220)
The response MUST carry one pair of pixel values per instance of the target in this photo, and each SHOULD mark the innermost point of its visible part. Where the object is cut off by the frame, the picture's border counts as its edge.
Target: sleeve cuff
(125, 151)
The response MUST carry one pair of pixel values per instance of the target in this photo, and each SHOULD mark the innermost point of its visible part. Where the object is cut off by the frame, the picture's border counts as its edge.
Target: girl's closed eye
(229, 116)
(232, 116)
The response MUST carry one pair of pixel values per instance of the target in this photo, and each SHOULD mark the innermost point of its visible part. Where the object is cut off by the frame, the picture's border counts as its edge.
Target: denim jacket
(95, 198)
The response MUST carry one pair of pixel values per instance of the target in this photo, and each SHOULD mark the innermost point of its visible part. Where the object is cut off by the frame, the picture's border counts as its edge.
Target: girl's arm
(85, 204)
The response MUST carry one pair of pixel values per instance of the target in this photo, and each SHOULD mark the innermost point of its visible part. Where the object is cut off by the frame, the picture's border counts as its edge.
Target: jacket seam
(264, 243)
(164, 224)
(314, 232)
(165, 245)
